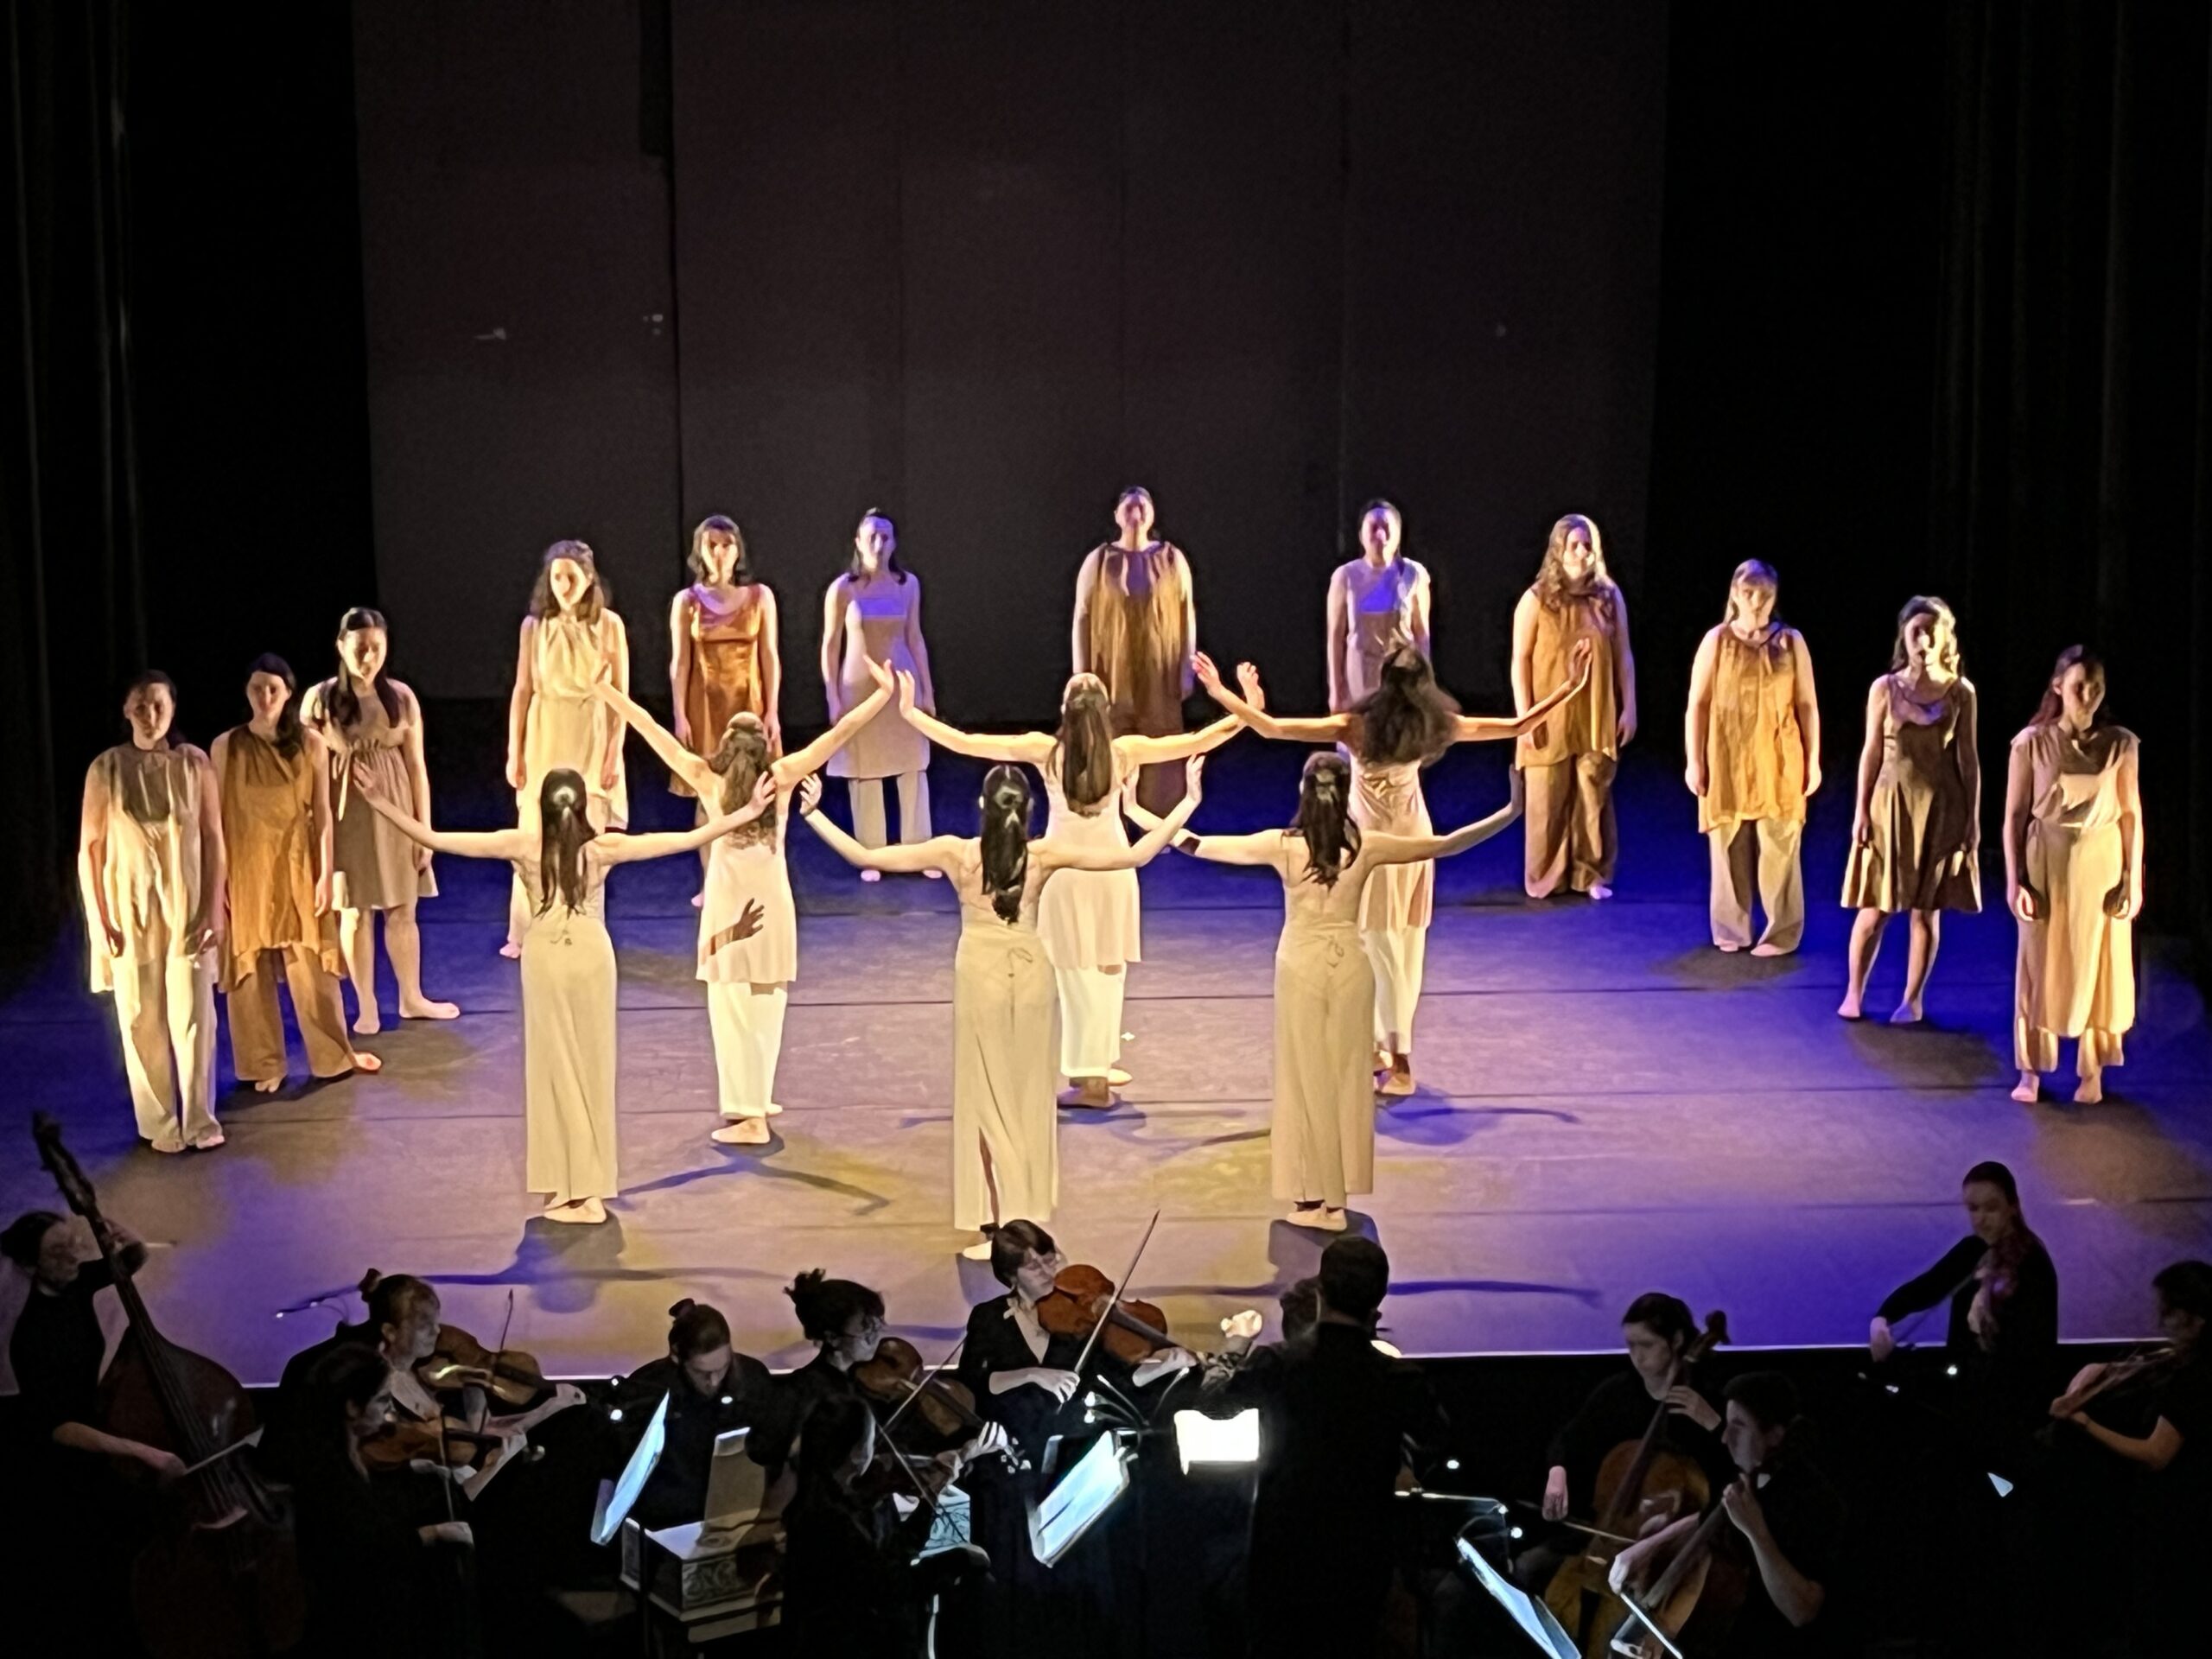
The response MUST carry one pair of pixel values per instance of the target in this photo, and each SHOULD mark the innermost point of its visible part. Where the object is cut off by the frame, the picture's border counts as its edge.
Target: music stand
(1534, 1619)
(1074, 1505)
(616, 1497)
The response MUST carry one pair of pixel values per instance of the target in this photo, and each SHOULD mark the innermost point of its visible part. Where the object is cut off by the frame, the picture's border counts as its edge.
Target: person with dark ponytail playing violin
(844, 1320)
(1779, 1511)
(711, 1388)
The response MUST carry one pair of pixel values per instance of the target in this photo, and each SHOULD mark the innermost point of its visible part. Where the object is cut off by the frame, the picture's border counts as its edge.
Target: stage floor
(1608, 1106)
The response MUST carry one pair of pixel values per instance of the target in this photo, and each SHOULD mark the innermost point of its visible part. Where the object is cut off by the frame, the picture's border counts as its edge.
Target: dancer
(1377, 602)
(2074, 880)
(1323, 1128)
(364, 718)
(1089, 921)
(1404, 722)
(748, 974)
(1752, 734)
(151, 871)
(1136, 624)
(567, 973)
(273, 780)
(1916, 836)
(1005, 1143)
(1569, 761)
(872, 616)
(723, 657)
(570, 639)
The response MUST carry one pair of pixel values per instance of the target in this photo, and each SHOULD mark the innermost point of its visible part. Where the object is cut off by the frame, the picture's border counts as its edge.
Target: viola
(507, 1375)
(1082, 1300)
(897, 1375)
(404, 1441)
(220, 1576)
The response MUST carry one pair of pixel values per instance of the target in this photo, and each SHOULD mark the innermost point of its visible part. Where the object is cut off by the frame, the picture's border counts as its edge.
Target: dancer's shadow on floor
(1438, 1122)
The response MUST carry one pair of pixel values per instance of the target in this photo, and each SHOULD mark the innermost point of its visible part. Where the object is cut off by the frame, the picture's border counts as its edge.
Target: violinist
(710, 1388)
(844, 1320)
(357, 1551)
(1784, 1525)
(1335, 1417)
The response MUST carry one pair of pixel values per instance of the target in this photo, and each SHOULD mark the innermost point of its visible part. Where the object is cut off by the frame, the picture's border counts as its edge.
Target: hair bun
(681, 1308)
(369, 1281)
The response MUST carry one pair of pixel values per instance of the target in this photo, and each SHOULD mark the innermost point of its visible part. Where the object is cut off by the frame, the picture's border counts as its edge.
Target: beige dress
(1089, 918)
(874, 628)
(2076, 971)
(1570, 835)
(1140, 643)
(567, 1041)
(1919, 812)
(1380, 617)
(725, 677)
(373, 866)
(566, 726)
(1005, 1128)
(1322, 1132)
(1754, 749)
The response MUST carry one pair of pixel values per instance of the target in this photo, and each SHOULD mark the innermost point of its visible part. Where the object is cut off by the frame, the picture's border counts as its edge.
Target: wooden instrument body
(1082, 1297)
(1671, 1486)
(944, 1405)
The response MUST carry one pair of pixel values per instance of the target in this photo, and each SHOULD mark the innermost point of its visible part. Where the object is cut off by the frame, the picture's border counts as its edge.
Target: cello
(1639, 1482)
(219, 1576)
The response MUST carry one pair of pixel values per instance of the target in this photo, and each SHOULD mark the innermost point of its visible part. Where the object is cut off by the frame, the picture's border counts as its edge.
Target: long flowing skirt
(1323, 1131)
(2076, 975)
(1004, 1117)
(567, 1041)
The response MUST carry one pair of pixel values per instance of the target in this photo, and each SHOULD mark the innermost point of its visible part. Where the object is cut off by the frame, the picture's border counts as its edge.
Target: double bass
(1639, 1482)
(219, 1576)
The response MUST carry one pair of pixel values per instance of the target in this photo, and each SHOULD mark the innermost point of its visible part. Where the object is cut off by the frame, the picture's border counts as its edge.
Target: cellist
(1785, 1525)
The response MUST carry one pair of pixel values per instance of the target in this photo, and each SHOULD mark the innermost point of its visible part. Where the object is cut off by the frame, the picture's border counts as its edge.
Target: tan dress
(1322, 1131)
(1570, 835)
(874, 628)
(1380, 618)
(567, 1041)
(372, 864)
(566, 726)
(1139, 644)
(1005, 1128)
(2076, 971)
(725, 677)
(1754, 749)
(1919, 812)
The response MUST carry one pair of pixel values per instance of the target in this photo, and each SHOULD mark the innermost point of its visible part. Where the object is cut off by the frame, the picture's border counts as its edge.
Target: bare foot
(209, 1141)
(367, 1023)
(741, 1132)
(2028, 1089)
(1598, 892)
(584, 1211)
(1396, 1081)
(267, 1085)
(1762, 949)
(1088, 1092)
(1117, 1078)
(977, 1252)
(698, 901)
(423, 1008)
(1908, 1013)
(1849, 1008)
(367, 1062)
(1319, 1216)
(871, 875)
(511, 951)
(1726, 946)
(2090, 1091)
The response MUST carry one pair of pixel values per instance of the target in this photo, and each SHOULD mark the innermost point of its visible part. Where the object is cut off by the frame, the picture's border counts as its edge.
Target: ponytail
(563, 827)
(1006, 839)
(1324, 820)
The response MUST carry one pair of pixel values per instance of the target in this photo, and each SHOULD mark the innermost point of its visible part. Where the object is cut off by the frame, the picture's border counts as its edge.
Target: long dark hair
(1006, 839)
(350, 1374)
(1668, 1318)
(1407, 716)
(563, 830)
(2054, 706)
(898, 571)
(716, 524)
(1324, 820)
(287, 718)
(596, 597)
(1084, 747)
(338, 691)
(740, 760)
(2017, 1246)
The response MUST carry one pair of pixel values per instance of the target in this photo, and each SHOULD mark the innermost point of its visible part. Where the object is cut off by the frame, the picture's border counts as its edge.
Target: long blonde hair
(1551, 583)
(1752, 573)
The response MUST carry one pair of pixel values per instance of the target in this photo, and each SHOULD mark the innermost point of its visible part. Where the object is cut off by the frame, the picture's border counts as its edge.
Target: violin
(1082, 1300)
(404, 1441)
(506, 1375)
(897, 1377)
(220, 1575)
(1638, 1482)
(2117, 1376)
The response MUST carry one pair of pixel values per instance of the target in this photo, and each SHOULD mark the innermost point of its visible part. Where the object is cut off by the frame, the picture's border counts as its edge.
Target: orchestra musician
(844, 1320)
(1782, 1514)
(711, 1388)
(1335, 1418)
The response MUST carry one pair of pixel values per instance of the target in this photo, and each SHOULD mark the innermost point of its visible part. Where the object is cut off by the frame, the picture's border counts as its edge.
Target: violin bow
(915, 1392)
(1120, 1290)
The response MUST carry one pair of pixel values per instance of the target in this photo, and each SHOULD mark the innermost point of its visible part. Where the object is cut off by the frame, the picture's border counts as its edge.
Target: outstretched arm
(1264, 847)
(1021, 748)
(1408, 849)
(491, 843)
(1482, 729)
(937, 853)
(616, 848)
(1139, 751)
(1252, 711)
(1158, 833)
(677, 759)
(816, 755)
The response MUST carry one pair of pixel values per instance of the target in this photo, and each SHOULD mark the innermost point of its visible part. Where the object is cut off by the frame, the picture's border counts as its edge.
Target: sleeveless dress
(1005, 1128)
(1321, 1135)
(2075, 972)
(1139, 644)
(269, 838)
(1388, 799)
(745, 867)
(1918, 813)
(1589, 722)
(567, 1041)
(372, 863)
(725, 677)
(566, 723)
(1088, 918)
(1379, 618)
(1754, 750)
(875, 628)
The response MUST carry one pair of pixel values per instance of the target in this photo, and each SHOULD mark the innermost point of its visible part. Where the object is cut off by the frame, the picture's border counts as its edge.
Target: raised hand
(807, 797)
(906, 694)
(1248, 681)
(1209, 675)
(1193, 770)
(881, 673)
(763, 797)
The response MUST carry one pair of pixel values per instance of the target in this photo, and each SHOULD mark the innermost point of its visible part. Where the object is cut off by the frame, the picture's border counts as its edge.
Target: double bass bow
(220, 1576)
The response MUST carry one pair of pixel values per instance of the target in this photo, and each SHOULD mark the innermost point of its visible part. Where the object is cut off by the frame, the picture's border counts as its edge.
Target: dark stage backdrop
(981, 266)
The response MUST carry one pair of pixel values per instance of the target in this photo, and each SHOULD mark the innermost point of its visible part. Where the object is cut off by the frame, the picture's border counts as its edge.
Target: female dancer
(1323, 1129)
(872, 616)
(1917, 830)
(1376, 602)
(748, 974)
(1752, 734)
(1005, 1143)
(1089, 921)
(1569, 762)
(150, 870)
(567, 973)
(570, 639)
(273, 781)
(2074, 876)
(1404, 721)
(366, 719)
(723, 656)
(1136, 624)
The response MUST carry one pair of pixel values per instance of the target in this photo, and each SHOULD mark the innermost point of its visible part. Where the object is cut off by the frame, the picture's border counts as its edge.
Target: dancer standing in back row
(1916, 835)
(748, 974)
(1136, 624)
(1376, 603)
(1404, 723)
(872, 618)
(723, 657)
(1088, 918)
(1570, 758)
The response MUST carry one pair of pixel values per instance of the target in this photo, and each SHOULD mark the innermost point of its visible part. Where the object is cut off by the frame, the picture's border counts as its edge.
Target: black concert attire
(677, 1490)
(56, 1350)
(1335, 1417)
(282, 1433)
(849, 1582)
(374, 1587)
(2006, 1386)
(786, 1404)
(1806, 1516)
